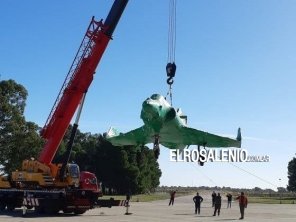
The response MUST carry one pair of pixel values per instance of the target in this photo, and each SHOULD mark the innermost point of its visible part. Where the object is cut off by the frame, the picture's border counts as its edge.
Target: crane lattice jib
(78, 80)
(82, 54)
(75, 85)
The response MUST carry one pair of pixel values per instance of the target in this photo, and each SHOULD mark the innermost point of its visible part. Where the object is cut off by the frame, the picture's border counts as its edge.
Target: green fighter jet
(167, 126)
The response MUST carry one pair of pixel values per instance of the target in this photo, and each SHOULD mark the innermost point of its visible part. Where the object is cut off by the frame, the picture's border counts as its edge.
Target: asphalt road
(183, 210)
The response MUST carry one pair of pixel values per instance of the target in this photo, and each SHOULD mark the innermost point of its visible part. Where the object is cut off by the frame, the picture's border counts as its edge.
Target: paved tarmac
(159, 211)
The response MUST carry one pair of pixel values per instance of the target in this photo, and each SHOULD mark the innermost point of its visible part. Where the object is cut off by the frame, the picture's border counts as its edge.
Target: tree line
(119, 169)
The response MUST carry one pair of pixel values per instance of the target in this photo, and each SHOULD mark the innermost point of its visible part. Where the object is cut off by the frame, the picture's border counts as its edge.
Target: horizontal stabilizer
(112, 132)
(139, 136)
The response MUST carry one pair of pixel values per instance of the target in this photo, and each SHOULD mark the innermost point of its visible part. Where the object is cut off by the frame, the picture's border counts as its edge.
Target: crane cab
(88, 181)
(72, 175)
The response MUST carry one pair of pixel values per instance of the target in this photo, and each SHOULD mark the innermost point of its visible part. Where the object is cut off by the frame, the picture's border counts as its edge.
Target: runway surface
(183, 210)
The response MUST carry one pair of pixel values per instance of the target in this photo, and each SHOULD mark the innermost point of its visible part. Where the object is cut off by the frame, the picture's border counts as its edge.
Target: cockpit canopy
(156, 97)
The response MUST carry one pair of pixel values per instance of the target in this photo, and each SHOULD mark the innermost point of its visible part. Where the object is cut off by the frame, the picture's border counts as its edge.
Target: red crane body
(78, 80)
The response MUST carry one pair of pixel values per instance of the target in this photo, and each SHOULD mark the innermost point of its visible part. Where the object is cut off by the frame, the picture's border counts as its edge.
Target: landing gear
(156, 149)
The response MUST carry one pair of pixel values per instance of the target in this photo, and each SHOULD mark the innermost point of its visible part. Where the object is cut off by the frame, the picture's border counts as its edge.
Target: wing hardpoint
(139, 136)
(196, 137)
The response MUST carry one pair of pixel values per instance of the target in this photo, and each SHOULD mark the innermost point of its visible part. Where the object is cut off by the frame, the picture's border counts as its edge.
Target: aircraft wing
(196, 137)
(139, 136)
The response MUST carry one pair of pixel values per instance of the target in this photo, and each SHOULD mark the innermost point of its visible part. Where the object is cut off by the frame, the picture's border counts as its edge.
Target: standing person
(243, 202)
(217, 204)
(172, 199)
(213, 198)
(197, 200)
(229, 199)
(127, 205)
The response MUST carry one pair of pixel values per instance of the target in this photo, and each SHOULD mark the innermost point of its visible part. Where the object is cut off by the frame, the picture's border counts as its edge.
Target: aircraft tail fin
(239, 136)
(112, 132)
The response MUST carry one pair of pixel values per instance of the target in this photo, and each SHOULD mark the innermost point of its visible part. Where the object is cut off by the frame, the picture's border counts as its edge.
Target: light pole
(280, 180)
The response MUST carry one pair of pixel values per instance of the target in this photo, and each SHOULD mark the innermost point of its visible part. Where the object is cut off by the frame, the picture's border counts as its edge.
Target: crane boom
(78, 80)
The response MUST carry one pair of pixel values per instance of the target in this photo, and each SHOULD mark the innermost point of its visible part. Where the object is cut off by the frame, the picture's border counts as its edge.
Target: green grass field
(272, 200)
(164, 196)
(146, 197)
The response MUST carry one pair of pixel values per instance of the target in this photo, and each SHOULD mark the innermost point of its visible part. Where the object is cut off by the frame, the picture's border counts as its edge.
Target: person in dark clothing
(229, 199)
(217, 204)
(172, 199)
(243, 202)
(213, 198)
(197, 200)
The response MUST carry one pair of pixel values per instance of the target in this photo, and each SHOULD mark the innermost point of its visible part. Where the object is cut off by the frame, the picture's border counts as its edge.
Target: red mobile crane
(53, 187)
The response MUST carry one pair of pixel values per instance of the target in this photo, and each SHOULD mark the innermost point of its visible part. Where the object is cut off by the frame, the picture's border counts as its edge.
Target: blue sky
(235, 68)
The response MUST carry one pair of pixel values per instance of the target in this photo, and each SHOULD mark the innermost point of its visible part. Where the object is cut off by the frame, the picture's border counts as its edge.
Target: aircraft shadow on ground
(182, 214)
(227, 219)
(218, 219)
(203, 216)
(33, 214)
(222, 219)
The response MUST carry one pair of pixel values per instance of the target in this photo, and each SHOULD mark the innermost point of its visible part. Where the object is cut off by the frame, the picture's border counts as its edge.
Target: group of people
(216, 202)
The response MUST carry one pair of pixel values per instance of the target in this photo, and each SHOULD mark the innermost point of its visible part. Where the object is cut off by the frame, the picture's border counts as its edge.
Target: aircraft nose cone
(150, 109)
(147, 106)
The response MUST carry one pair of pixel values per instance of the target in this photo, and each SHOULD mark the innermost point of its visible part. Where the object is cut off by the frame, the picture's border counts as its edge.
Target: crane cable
(171, 66)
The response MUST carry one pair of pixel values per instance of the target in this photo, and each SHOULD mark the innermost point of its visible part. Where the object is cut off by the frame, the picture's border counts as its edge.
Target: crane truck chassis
(49, 187)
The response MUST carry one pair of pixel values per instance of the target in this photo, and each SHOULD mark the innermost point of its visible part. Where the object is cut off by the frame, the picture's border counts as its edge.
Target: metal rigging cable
(204, 174)
(252, 174)
(171, 66)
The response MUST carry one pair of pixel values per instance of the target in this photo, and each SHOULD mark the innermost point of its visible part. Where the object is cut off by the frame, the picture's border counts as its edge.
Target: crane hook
(171, 70)
(170, 81)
